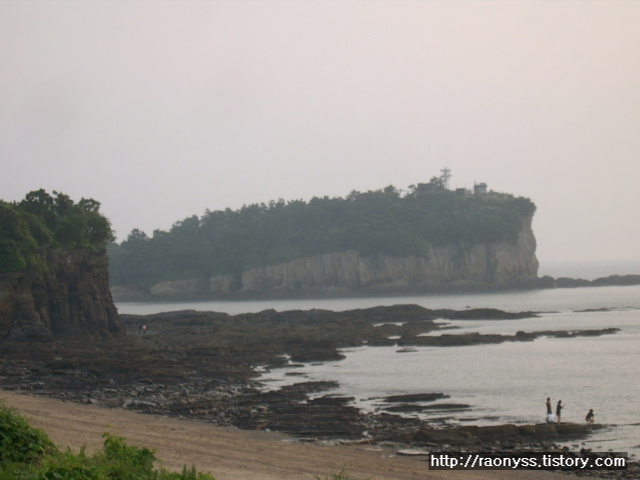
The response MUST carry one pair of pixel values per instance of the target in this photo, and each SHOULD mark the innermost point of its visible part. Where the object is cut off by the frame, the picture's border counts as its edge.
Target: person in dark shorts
(559, 408)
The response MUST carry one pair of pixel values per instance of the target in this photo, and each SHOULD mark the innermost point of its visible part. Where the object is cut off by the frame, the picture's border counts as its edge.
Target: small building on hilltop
(480, 189)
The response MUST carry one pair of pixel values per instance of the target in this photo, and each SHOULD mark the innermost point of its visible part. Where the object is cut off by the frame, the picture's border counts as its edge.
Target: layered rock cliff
(495, 265)
(71, 297)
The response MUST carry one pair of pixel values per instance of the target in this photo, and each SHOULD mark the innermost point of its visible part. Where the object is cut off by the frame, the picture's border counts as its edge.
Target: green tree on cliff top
(42, 220)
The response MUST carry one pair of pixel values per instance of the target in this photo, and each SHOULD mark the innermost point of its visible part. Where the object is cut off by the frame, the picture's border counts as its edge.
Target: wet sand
(229, 453)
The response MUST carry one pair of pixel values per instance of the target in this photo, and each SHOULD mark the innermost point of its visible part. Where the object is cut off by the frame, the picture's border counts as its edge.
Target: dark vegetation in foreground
(27, 453)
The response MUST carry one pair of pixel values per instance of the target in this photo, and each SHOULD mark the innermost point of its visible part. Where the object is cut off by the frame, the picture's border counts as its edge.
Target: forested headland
(54, 277)
(386, 222)
(43, 221)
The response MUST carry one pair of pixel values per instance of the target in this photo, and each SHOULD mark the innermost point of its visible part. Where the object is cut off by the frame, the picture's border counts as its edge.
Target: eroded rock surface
(202, 365)
(71, 297)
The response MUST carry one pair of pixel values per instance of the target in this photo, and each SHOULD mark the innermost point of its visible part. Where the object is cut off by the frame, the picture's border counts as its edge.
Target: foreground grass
(343, 475)
(27, 453)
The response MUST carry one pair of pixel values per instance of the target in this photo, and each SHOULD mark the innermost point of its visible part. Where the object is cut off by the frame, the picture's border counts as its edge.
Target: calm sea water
(505, 383)
(589, 270)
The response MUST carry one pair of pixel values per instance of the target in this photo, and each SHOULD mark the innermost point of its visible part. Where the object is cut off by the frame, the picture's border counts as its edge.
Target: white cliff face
(179, 287)
(497, 265)
(501, 264)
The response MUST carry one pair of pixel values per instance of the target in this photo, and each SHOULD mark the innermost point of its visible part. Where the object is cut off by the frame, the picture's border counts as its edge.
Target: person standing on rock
(550, 418)
(590, 418)
(559, 408)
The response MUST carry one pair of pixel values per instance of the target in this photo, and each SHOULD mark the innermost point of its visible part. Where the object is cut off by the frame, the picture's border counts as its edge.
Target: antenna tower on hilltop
(445, 177)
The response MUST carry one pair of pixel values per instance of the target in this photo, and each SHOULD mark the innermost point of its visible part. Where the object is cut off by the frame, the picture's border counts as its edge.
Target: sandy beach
(229, 453)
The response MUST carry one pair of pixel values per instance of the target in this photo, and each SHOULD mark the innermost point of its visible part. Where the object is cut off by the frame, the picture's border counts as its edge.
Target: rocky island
(388, 241)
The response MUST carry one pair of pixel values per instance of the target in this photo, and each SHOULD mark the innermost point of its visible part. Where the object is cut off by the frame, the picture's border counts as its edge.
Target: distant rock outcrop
(70, 297)
(449, 267)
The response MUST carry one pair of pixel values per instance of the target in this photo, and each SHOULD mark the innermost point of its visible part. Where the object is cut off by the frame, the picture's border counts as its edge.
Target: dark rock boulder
(71, 297)
(617, 280)
(415, 397)
(499, 434)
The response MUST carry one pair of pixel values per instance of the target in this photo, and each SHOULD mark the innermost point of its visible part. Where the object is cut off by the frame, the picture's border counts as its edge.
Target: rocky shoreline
(192, 290)
(202, 365)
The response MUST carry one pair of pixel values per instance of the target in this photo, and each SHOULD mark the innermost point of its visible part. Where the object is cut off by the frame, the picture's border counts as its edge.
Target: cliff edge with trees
(54, 276)
(382, 241)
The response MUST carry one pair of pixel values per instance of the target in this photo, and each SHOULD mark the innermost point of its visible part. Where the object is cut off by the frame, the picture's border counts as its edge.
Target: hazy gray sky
(162, 109)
